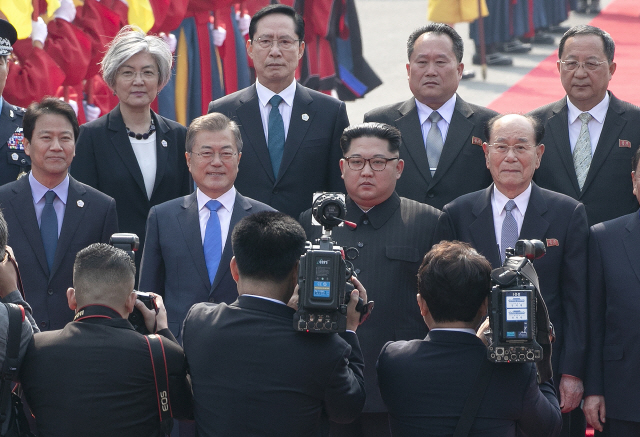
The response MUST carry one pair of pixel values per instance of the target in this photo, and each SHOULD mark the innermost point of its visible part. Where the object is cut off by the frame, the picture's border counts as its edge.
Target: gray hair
(213, 122)
(130, 41)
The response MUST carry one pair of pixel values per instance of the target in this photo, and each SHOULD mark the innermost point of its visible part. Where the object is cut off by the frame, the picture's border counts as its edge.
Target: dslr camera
(324, 278)
(518, 317)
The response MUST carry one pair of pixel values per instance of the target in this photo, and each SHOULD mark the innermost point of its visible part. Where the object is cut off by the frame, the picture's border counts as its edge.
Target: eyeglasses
(518, 149)
(210, 156)
(130, 75)
(588, 65)
(283, 44)
(376, 164)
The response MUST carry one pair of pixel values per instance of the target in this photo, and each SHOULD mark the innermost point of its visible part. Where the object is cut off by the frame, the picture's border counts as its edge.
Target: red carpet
(621, 18)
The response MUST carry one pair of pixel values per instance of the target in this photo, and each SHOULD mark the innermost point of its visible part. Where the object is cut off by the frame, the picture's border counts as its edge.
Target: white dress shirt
(445, 111)
(264, 95)
(227, 200)
(598, 114)
(59, 203)
(498, 202)
(145, 151)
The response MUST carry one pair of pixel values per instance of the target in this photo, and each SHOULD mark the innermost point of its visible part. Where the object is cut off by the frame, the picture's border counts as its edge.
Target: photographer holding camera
(95, 376)
(252, 373)
(425, 383)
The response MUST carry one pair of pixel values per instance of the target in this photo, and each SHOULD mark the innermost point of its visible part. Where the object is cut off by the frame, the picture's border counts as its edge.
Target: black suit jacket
(310, 161)
(425, 384)
(606, 193)
(105, 160)
(173, 263)
(253, 375)
(90, 217)
(614, 288)
(390, 240)
(13, 160)
(561, 223)
(461, 168)
(95, 377)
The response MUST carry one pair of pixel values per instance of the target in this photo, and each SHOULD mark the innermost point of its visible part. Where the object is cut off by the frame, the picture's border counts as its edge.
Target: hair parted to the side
(277, 9)
(213, 122)
(454, 280)
(585, 29)
(370, 129)
(267, 245)
(438, 29)
(102, 271)
(48, 105)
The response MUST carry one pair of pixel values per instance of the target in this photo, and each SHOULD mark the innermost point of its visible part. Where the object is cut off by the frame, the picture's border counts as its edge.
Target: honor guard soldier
(13, 161)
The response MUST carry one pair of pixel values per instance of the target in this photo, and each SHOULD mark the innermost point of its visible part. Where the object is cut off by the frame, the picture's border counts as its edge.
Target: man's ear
(233, 266)
(71, 298)
(130, 303)
(424, 309)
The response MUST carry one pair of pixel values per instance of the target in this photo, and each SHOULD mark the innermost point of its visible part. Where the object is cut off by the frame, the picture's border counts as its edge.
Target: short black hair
(635, 160)
(538, 126)
(48, 105)
(277, 9)
(103, 269)
(585, 29)
(267, 245)
(438, 29)
(454, 280)
(370, 129)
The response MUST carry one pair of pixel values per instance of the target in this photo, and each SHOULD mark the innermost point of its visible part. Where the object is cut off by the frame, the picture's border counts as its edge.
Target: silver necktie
(582, 150)
(434, 142)
(509, 230)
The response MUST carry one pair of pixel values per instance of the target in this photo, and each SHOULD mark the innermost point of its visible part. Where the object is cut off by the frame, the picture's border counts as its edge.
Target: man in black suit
(614, 280)
(425, 383)
(13, 160)
(296, 152)
(590, 135)
(75, 215)
(96, 377)
(392, 235)
(443, 158)
(174, 263)
(252, 373)
(513, 208)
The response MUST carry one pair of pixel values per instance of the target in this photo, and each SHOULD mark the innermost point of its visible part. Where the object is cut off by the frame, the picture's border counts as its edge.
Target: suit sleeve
(594, 383)
(344, 396)
(110, 222)
(180, 395)
(541, 415)
(573, 286)
(152, 270)
(335, 177)
(83, 167)
(445, 231)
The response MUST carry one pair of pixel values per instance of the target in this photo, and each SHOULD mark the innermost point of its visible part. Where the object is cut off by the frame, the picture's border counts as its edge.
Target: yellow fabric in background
(141, 14)
(18, 13)
(455, 11)
(52, 5)
(182, 79)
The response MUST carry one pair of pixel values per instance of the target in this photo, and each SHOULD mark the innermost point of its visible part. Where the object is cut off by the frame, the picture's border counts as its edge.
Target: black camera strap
(472, 404)
(10, 366)
(160, 374)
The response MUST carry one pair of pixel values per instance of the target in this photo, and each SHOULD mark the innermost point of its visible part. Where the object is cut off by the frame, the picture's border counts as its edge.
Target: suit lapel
(73, 215)
(163, 143)
(559, 130)
(297, 127)
(190, 226)
(409, 125)
(482, 230)
(24, 210)
(122, 145)
(248, 114)
(534, 225)
(632, 243)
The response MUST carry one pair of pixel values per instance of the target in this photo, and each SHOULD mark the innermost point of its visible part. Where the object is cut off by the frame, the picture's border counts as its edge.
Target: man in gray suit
(187, 250)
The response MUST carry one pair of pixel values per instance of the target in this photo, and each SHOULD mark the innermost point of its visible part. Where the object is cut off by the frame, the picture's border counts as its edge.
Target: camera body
(513, 306)
(324, 277)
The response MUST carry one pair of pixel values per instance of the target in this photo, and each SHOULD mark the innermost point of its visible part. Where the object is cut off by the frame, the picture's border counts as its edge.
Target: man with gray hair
(187, 251)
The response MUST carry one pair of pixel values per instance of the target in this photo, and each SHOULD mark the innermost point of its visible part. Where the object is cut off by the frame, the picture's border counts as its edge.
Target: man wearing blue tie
(187, 248)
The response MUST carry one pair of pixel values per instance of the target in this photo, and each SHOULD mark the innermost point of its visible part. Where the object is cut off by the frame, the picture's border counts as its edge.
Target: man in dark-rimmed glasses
(386, 248)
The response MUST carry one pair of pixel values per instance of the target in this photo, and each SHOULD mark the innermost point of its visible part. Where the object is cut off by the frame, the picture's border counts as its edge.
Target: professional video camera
(518, 316)
(324, 277)
(130, 243)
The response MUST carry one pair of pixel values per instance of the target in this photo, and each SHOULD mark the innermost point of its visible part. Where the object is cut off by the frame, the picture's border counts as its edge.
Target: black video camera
(130, 243)
(324, 278)
(518, 316)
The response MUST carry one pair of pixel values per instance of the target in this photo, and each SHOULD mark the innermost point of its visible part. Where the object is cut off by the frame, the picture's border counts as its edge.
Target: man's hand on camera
(150, 316)
(293, 302)
(353, 316)
(571, 390)
(8, 275)
(594, 411)
(483, 330)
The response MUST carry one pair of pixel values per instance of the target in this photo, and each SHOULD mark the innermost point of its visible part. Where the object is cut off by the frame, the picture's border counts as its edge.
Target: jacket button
(43, 324)
(50, 292)
(360, 244)
(431, 195)
(357, 271)
(366, 222)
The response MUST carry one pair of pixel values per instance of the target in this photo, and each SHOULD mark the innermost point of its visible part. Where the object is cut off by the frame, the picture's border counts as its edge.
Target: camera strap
(474, 399)
(10, 366)
(161, 377)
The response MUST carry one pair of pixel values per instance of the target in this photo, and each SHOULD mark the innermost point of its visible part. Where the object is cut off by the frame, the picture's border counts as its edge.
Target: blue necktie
(276, 135)
(509, 229)
(212, 240)
(49, 228)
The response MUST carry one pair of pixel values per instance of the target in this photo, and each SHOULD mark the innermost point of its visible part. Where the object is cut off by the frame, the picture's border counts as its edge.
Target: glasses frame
(214, 154)
(368, 161)
(277, 42)
(582, 64)
(527, 148)
(144, 78)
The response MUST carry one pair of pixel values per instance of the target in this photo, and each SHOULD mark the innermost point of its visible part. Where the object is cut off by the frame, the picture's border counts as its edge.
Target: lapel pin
(14, 156)
(11, 113)
(80, 203)
(624, 143)
(164, 143)
(305, 117)
(552, 242)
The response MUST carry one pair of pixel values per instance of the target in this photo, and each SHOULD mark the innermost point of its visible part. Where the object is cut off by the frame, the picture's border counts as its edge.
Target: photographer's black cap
(8, 36)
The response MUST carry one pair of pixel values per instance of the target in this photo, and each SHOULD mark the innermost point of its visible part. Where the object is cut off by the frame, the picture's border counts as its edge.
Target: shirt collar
(38, 190)
(598, 112)
(377, 215)
(265, 94)
(467, 330)
(227, 199)
(265, 298)
(445, 111)
(522, 199)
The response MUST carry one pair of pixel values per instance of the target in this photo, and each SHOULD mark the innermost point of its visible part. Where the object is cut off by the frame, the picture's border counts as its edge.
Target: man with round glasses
(386, 247)
(590, 134)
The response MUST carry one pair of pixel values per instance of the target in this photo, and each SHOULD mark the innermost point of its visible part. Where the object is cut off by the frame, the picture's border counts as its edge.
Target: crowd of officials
(222, 209)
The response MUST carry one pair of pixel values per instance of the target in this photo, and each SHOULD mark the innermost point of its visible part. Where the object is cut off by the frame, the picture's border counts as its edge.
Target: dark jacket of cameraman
(95, 377)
